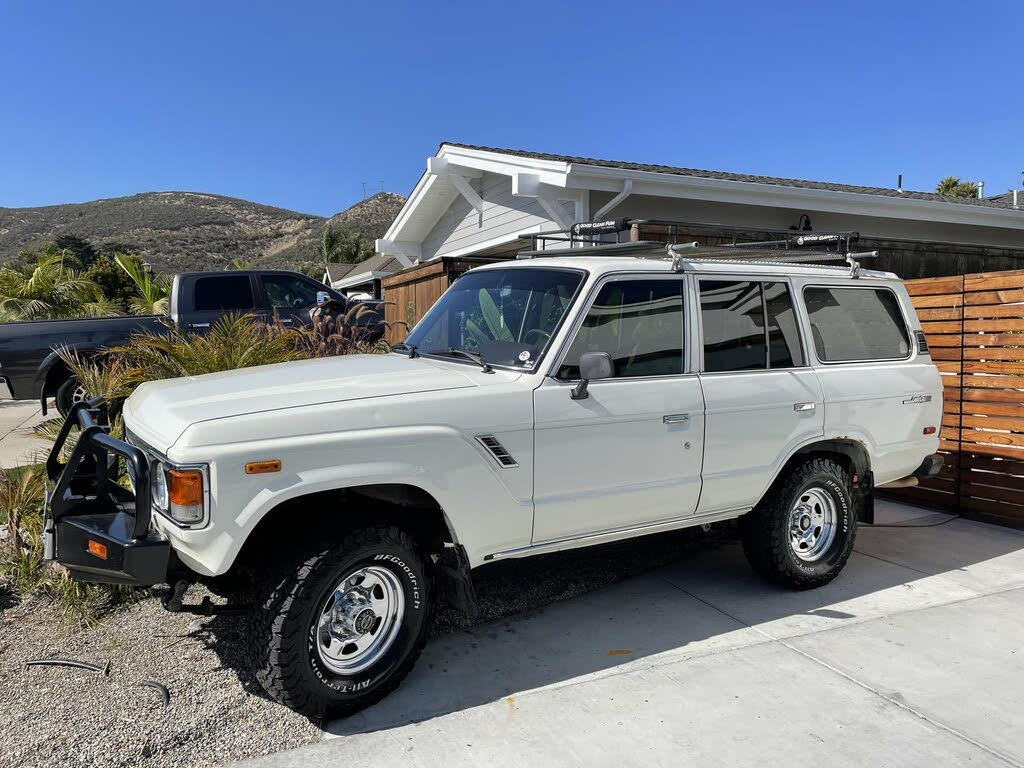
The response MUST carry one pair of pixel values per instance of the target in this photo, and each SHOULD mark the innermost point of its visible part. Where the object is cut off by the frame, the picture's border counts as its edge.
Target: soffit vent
(497, 450)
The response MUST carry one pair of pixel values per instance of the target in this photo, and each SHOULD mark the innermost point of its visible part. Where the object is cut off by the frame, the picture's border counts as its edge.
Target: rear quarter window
(224, 293)
(856, 324)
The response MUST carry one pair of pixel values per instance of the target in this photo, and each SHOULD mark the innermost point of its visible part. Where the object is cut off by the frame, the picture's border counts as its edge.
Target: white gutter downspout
(627, 190)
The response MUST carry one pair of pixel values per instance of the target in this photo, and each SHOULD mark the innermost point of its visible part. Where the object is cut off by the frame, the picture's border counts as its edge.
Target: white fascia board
(778, 196)
(362, 277)
(406, 251)
(419, 192)
(553, 172)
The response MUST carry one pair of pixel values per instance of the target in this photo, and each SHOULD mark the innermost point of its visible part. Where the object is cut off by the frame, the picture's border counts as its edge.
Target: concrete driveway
(17, 446)
(913, 657)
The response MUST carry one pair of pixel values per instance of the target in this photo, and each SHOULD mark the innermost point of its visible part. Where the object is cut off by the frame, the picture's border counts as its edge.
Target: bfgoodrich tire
(339, 629)
(801, 534)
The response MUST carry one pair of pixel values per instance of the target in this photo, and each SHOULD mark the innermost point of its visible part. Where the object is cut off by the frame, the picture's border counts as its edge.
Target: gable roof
(997, 201)
(378, 265)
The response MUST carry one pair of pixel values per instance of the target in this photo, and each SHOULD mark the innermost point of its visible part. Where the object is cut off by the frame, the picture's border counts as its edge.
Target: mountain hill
(180, 231)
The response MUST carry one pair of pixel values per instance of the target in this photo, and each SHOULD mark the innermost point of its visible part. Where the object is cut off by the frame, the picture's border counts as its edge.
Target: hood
(160, 411)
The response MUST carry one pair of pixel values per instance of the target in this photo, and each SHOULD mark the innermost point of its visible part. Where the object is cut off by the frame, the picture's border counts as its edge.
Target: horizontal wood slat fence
(975, 330)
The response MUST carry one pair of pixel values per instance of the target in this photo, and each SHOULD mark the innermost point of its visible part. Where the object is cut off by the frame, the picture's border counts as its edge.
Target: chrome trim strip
(602, 537)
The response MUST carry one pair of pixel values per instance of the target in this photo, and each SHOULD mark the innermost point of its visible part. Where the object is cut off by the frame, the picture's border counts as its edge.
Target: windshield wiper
(463, 353)
(403, 347)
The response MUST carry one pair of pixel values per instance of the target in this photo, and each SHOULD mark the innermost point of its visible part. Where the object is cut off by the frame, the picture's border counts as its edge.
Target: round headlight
(159, 486)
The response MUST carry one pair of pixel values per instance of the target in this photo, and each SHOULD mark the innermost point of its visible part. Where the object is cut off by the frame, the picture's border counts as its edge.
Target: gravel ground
(63, 716)
(217, 713)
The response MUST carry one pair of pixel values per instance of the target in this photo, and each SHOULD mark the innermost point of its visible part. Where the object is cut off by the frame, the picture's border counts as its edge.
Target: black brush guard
(93, 526)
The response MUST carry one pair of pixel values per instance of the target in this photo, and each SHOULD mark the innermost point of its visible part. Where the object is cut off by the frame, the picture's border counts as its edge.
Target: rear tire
(69, 393)
(802, 533)
(337, 629)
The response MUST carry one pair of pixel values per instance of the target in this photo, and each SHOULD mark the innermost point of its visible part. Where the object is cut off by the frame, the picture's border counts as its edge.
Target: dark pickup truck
(33, 370)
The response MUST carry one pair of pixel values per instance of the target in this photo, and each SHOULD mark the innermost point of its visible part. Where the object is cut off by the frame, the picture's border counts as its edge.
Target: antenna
(364, 189)
(382, 185)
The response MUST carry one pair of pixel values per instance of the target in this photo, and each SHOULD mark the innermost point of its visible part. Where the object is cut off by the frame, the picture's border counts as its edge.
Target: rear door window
(748, 325)
(856, 324)
(224, 293)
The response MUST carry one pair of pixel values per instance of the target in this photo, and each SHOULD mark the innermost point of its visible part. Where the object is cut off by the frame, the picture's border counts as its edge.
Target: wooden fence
(975, 330)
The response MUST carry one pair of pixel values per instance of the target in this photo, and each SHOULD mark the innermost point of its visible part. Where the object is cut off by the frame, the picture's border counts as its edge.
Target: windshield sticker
(524, 355)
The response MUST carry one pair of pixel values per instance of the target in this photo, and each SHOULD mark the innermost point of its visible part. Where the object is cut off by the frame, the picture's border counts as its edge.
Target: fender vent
(922, 342)
(497, 450)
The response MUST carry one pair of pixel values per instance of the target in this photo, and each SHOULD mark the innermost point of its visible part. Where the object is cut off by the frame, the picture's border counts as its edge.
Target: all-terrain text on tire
(801, 534)
(338, 629)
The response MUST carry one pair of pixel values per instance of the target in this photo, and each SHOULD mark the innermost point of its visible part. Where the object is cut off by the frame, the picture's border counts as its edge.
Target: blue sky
(296, 104)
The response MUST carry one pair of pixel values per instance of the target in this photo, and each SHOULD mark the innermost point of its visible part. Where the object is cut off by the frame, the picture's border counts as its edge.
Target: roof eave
(608, 179)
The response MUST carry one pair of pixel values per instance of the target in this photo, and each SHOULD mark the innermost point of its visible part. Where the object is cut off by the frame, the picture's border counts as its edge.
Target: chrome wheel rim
(79, 395)
(360, 620)
(812, 524)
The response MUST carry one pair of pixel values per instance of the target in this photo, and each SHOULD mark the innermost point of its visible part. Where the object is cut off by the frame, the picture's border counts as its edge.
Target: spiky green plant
(234, 341)
(49, 289)
(153, 292)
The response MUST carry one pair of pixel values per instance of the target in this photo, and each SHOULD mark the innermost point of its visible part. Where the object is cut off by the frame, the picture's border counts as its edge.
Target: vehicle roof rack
(790, 248)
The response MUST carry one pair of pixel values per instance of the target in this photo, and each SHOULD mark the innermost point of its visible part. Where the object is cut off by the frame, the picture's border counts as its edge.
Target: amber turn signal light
(262, 467)
(185, 487)
(95, 548)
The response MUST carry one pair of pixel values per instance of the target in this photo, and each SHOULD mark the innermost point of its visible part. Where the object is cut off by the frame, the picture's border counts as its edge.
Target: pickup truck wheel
(801, 534)
(70, 392)
(340, 628)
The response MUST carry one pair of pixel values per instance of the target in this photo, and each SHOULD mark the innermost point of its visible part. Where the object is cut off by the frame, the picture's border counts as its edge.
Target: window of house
(748, 325)
(639, 323)
(852, 324)
(224, 292)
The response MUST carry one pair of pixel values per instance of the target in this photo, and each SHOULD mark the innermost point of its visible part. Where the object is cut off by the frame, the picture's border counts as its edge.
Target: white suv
(540, 405)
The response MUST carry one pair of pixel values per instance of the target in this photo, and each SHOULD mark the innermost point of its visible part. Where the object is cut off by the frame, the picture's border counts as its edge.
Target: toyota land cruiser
(553, 402)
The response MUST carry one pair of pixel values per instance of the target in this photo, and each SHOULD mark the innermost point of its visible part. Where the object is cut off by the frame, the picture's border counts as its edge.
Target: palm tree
(951, 186)
(153, 292)
(342, 246)
(50, 289)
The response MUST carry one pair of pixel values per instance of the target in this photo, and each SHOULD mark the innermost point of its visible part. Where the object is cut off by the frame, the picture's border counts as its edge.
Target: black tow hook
(173, 600)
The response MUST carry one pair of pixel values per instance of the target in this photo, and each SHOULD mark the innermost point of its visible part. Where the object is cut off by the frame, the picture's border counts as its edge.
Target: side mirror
(593, 366)
(322, 296)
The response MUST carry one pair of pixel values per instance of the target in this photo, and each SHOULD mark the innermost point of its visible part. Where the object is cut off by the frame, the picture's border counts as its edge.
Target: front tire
(802, 533)
(339, 629)
(71, 391)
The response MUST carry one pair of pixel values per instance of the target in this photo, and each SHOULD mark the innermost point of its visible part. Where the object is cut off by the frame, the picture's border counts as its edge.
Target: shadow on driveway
(551, 619)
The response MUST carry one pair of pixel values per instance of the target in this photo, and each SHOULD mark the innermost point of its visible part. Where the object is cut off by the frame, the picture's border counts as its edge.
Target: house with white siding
(474, 202)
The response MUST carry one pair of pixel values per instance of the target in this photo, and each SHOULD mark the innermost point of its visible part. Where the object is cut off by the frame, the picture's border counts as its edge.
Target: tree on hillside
(83, 251)
(49, 289)
(152, 293)
(111, 248)
(342, 246)
(237, 263)
(951, 186)
(116, 284)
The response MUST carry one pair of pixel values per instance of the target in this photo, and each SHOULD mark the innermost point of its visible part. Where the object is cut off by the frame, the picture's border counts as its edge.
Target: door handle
(286, 320)
(198, 325)
(803, 406)
(676, 418)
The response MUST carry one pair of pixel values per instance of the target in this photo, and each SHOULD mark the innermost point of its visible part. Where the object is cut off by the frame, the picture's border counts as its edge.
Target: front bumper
(96, 528)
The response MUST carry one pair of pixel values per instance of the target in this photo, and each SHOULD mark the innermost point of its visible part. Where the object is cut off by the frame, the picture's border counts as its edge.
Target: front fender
(486, 510)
